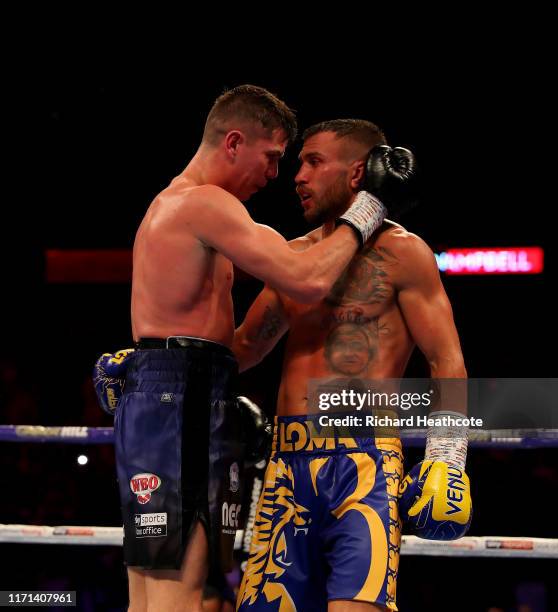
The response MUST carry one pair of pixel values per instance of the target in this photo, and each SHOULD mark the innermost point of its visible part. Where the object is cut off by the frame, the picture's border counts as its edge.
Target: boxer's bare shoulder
(390, 235)
(188, 211)
(183, 198)
(398, 238)
(408, 253)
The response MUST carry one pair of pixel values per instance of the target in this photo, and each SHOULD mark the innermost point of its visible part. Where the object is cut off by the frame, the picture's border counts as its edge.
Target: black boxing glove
(390, 176)
(386, 188)
(258, 431)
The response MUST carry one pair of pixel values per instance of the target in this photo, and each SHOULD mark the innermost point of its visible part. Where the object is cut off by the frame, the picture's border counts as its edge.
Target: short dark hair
(248, 105)
(363, 132)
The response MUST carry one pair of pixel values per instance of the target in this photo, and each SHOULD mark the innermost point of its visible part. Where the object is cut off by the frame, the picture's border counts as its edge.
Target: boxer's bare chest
(357, 329)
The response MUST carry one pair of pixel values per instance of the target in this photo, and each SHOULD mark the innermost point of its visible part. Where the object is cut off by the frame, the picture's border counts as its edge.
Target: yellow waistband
(296, 434)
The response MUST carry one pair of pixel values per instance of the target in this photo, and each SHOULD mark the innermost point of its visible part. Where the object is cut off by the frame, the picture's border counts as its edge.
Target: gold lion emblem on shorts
(268, 559)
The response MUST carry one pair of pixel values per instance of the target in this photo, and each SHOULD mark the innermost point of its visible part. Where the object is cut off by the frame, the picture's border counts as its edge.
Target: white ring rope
(470, 546)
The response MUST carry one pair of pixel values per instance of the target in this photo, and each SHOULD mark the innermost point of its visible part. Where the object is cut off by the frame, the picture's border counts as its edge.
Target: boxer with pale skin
(388, 300)
(197, 228)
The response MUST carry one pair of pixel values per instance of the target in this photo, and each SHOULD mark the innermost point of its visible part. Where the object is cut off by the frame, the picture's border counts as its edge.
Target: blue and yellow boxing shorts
(327, 524)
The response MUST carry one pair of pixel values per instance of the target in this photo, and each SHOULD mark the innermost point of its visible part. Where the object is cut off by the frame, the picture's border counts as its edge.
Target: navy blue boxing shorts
(179, 451)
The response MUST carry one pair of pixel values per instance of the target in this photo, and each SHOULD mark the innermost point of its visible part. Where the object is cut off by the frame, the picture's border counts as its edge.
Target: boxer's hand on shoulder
(258, 431)
(435, 499)
(386, 191)
(109, 374)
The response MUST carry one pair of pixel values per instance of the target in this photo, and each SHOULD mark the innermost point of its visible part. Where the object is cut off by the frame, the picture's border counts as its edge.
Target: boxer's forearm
(451, 379)
(444, 366)
(265, 323)
(304, 276)
(323, 263)
(246, 352)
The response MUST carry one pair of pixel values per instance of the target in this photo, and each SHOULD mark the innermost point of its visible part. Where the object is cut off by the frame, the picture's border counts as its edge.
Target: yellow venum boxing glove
(435, 499)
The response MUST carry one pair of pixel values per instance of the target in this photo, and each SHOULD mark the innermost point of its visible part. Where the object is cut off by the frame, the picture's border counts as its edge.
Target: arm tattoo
(270, 325)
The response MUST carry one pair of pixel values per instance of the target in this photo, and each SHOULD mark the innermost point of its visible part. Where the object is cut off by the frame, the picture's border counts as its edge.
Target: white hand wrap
(365, 215)
(447, 443)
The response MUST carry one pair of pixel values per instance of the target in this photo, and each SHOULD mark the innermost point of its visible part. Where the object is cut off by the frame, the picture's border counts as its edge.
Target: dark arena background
(96, 139)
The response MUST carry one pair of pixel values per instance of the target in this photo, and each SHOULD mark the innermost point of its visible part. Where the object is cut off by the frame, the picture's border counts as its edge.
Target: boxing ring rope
(482, 546)
(485, 546)
(412, 438)
(470, 546)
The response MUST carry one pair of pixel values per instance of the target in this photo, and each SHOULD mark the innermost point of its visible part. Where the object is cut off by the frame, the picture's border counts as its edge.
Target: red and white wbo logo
(143, 485)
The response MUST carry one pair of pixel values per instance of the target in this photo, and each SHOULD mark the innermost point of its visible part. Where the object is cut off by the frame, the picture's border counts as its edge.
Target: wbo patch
(143, 485)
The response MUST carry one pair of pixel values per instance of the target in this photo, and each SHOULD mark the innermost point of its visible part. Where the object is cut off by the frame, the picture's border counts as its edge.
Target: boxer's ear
(233, 140)
(356, 174)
